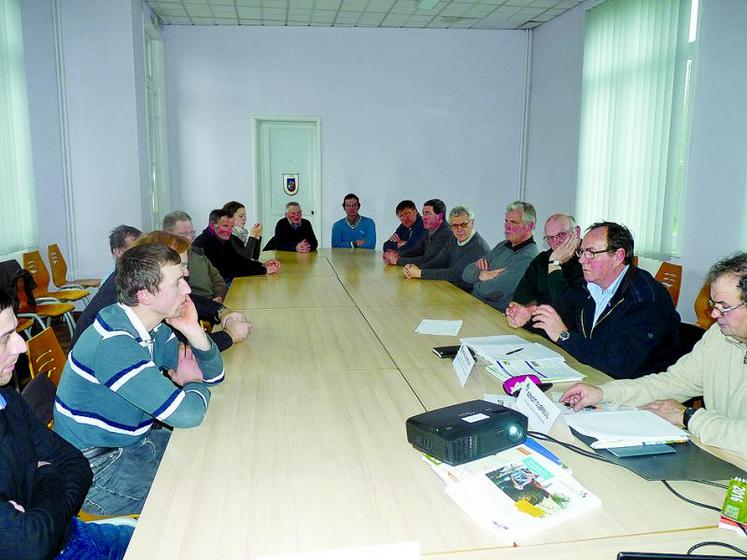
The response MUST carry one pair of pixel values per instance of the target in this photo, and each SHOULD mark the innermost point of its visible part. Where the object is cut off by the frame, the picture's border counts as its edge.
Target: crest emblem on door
(290, 183)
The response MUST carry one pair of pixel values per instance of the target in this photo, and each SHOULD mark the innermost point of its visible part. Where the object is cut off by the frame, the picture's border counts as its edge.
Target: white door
(288, 169)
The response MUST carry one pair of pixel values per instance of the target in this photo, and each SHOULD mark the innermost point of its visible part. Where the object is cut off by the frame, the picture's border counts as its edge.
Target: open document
(511, 355)
(625, 428)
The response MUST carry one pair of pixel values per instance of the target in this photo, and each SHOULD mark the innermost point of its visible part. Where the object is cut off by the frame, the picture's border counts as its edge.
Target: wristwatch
(564, 335)
(556, 262)
(687, 414)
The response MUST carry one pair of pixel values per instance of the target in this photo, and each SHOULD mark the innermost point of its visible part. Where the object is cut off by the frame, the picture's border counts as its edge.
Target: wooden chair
(33, 262)
(670, 275)
(702, 307)
(43, 311)
(46, 356)
(58, 266)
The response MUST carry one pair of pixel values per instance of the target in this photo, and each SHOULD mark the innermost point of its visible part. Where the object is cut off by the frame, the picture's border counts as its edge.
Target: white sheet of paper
(549, 371)
(535, 405)
(439, 327)
(504, 400)
(463, 364)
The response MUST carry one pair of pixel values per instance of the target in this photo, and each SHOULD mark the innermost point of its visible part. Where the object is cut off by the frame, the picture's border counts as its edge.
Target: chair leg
(70, 323)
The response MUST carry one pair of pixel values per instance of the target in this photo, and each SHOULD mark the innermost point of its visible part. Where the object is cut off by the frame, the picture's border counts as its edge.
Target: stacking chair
(702, 307)
(46, 356)
(33, 262)
(670, 275)
(40, 312)
(58, 266)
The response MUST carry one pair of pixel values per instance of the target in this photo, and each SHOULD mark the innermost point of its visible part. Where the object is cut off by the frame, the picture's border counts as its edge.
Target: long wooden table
(304, 448)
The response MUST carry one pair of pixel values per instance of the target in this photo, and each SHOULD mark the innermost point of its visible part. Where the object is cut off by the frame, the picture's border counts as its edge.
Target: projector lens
(515, 433)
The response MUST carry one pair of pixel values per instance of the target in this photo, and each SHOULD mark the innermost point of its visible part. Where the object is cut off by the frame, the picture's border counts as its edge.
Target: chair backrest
(57, 265)
(46, 356)
(702, 307)
(32, 261)
(39, 393)
(670, 275)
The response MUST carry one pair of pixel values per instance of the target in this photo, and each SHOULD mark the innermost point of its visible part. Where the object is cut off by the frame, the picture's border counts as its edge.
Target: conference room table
(303, 448)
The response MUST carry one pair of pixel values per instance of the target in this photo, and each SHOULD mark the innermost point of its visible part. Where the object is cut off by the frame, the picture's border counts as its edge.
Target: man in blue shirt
(354, 230)
(410, 230)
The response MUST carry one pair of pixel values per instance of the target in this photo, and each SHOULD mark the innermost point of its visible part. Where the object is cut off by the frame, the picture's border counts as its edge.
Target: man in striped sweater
(128, 374)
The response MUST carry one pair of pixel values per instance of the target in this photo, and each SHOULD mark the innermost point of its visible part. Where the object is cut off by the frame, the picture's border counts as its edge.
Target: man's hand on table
(582, 395)
(412, 271)
(669, 409)
(518, 315)
(546, 318)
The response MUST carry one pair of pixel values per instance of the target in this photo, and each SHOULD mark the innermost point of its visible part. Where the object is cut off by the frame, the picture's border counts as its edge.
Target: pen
(514, 351)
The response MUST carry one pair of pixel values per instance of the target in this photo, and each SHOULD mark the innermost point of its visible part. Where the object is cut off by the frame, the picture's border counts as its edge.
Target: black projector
(464, 432)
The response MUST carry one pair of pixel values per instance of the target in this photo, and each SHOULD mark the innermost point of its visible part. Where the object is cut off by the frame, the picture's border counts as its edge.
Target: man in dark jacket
(215, 241)
(293, 233)
(409, 231)
(43, 479)
(437, 233)
(623, 322)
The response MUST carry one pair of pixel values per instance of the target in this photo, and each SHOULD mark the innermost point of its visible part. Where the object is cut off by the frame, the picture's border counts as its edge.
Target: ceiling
(440, 14)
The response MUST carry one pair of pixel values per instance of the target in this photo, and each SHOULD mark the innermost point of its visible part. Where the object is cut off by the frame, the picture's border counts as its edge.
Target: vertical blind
(17, 200)
(630, 113)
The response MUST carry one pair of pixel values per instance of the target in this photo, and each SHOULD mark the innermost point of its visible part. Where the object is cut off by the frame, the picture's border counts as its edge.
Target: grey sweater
(499, 291)
(451, 260)
(427, 248)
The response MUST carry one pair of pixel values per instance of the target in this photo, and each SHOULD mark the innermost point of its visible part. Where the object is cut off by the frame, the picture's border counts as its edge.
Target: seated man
(215, 241)
(714, 369)
(494, 277)
(409, 231)
(551, 272)
(622, 321)
(437, 233)
(204, 279)
(293, 233)
(120, 239)
(127, 373)
(353, 230)
(464, 247)
(43, 479)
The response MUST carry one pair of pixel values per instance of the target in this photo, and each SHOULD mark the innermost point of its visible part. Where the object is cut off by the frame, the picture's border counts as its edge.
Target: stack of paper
(510, 355)
(516, 492)
(626, 428)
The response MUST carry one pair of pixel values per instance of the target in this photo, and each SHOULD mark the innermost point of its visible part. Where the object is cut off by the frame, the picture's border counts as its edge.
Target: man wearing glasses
(622, 322)
(551, 272)
(495, 277)
(715, 369)
(464, 247)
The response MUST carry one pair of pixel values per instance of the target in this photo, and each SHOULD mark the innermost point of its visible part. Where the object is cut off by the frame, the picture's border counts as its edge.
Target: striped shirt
(113, 388)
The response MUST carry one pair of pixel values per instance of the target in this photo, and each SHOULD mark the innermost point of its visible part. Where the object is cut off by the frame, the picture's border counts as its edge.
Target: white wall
(44, 117)
(404, 113)
(714, 214)
(714, 219)
(554, 114)
(102, 50)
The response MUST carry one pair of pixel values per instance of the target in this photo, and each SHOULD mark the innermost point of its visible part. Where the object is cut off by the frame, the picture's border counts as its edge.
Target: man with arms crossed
(715, 369)
(494, 277)
(622, 322)
(409, 231)
(128, 372)
(437, 233)
(43, 479)
(551, 272)
(464, 247)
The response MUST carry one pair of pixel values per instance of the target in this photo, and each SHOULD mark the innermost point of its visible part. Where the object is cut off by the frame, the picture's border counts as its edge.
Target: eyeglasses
(559, 236)
(721, 310)
(589, 254)
(462, 225)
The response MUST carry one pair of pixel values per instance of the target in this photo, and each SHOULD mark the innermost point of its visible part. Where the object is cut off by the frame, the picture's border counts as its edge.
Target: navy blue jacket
(411, 235)
(638, 332)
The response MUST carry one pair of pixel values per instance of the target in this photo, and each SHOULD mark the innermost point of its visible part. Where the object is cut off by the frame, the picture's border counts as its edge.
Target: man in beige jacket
(715, 369)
